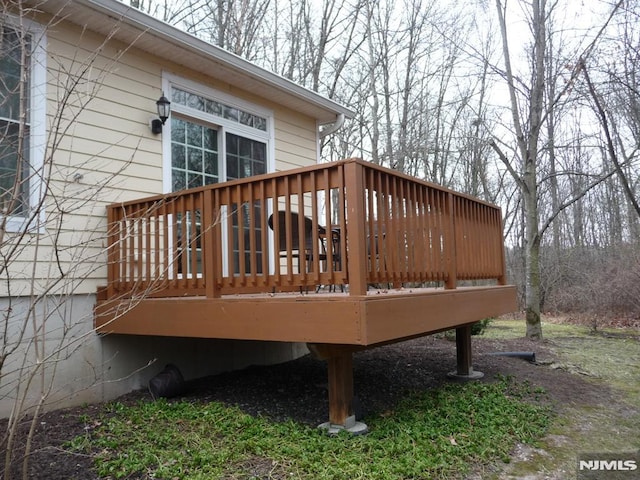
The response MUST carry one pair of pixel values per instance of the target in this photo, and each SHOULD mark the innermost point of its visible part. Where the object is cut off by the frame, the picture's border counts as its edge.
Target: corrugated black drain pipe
(529, 356)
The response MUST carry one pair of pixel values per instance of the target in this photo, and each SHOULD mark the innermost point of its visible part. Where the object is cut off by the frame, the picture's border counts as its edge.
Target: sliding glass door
(212, 141)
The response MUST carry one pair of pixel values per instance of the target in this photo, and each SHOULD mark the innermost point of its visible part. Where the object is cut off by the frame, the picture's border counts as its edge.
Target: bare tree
(46, 263)
(527, 129)
(616, 102)
(530, 109)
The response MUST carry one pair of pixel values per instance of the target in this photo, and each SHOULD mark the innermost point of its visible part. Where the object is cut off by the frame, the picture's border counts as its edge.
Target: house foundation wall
(53, 353)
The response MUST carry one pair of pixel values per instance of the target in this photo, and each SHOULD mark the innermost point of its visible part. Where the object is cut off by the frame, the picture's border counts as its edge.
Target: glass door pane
(194, 163)
(194, 154)
(245, 158)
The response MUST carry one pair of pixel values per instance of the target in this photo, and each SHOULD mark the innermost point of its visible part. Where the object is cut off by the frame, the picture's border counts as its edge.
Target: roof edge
(153, 26)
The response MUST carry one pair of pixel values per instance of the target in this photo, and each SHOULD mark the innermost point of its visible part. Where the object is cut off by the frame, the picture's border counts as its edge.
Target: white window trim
(226, 126)
(37, 128)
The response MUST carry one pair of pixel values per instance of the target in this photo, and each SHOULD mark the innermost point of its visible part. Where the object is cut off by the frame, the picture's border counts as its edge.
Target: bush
(478, 328)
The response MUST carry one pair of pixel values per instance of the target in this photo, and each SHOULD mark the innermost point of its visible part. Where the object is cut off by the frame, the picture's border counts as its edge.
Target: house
(216, 240)
(97, 69)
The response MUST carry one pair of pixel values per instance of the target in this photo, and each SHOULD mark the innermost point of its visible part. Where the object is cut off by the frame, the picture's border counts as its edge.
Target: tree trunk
(527, 134)
(532, 269)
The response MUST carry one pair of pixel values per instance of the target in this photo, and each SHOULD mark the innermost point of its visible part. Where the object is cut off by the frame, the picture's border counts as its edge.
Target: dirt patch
(298, 390)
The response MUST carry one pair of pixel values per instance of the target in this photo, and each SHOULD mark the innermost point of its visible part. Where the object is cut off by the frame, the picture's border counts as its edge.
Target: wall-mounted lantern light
(164, 109)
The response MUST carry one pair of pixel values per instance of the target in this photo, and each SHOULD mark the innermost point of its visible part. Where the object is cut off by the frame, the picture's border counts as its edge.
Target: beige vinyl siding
(110, 142)
(296, 141)
(103, 135)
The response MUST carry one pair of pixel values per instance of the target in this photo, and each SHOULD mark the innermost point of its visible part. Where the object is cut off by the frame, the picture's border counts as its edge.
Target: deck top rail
(348, 223)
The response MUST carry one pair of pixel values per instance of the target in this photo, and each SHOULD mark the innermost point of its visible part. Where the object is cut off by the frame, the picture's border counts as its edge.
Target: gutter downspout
(332, 127)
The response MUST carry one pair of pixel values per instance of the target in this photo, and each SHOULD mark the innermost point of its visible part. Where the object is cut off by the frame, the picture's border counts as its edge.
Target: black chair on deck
(290, 223)
(304, 253)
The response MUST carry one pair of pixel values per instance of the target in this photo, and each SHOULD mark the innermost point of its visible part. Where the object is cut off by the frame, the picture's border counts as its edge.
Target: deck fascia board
(312, 318)
(415, 315)
(327, 320)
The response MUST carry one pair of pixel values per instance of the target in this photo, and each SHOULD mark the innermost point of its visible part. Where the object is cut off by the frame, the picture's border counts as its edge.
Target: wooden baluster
(209, 245)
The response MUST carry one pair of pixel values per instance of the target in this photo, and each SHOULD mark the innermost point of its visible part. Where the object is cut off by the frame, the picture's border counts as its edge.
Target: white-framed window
(214, 137)
(22, 122)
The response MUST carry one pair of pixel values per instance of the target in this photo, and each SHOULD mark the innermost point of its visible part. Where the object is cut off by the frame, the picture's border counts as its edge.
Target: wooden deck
(342, 256)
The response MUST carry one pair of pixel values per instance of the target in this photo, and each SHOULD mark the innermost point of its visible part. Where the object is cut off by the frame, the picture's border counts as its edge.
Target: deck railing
(336, 224)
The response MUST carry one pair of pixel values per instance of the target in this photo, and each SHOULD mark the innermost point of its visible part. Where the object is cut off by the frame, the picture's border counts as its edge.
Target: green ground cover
(438, 434)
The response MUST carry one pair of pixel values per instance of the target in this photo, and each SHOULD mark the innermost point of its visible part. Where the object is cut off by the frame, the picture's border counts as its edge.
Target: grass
(438, 434)
(609, 359)
(610, 354)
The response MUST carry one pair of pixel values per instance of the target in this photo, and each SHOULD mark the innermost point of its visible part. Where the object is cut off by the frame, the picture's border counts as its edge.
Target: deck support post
(464, 367)
(340, 373)
(340, 370)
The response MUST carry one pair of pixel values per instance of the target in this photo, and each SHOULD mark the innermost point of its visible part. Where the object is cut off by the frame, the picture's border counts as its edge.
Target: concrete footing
(472, 375)
(351, 426)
